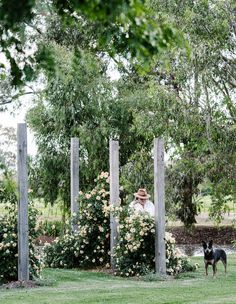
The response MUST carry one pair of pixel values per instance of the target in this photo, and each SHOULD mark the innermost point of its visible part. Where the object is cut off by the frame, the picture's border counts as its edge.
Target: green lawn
(73, 287)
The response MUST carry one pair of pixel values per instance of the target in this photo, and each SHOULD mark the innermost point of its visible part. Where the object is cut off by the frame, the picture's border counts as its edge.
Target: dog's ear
(204, 244)
(210, 243)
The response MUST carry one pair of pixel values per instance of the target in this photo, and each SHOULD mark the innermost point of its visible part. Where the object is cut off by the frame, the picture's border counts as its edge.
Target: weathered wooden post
(74, 176)
(159, 200)
(23, 230)
(114, 194)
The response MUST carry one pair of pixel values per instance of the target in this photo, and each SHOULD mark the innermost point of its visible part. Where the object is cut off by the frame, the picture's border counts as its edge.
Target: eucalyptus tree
(79, 100)
(193, 104)
(189, 101)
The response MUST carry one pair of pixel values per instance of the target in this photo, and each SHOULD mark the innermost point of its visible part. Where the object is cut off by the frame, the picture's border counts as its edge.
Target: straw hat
(142, 193)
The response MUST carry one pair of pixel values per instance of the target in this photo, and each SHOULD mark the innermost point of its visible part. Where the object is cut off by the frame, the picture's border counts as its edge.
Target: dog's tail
(224, 259)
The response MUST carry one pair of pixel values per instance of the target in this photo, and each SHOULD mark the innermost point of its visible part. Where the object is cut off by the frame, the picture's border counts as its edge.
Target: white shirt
(148, 207)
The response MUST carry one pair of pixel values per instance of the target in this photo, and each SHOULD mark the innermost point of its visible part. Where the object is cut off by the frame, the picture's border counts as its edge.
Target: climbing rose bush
(135, 253)
(8, 234)
(89, 246)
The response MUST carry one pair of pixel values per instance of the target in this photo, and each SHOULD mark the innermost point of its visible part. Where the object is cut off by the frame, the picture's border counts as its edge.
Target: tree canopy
(128, 28)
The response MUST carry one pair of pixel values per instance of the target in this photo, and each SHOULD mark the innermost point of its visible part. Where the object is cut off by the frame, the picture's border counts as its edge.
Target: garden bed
(223, 235)
(20, 284)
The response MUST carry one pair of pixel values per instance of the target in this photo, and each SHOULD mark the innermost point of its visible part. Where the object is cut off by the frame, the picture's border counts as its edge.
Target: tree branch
(230, 106)
(34, 27)
(14, 97)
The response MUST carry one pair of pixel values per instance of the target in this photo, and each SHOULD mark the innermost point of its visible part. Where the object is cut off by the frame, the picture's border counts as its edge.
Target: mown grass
(73, 287)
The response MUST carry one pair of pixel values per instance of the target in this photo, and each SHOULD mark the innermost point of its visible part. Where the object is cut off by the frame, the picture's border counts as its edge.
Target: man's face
(142, 201)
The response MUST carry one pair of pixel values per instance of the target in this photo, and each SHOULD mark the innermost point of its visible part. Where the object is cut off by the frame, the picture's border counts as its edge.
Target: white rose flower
(101, 229)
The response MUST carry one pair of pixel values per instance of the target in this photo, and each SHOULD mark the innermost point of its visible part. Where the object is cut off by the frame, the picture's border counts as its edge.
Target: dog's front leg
(206, 269)
(214, 269)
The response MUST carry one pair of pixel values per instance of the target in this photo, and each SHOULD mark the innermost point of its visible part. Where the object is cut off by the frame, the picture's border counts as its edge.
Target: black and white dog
(211, 256)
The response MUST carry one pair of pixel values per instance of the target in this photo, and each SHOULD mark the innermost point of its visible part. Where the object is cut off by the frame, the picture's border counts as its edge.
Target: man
(142, 203)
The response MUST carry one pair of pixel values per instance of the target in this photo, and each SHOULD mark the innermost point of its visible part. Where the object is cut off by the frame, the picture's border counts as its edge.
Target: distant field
(207, 203)
(52, 213)
(229, 218)
(46, 212)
